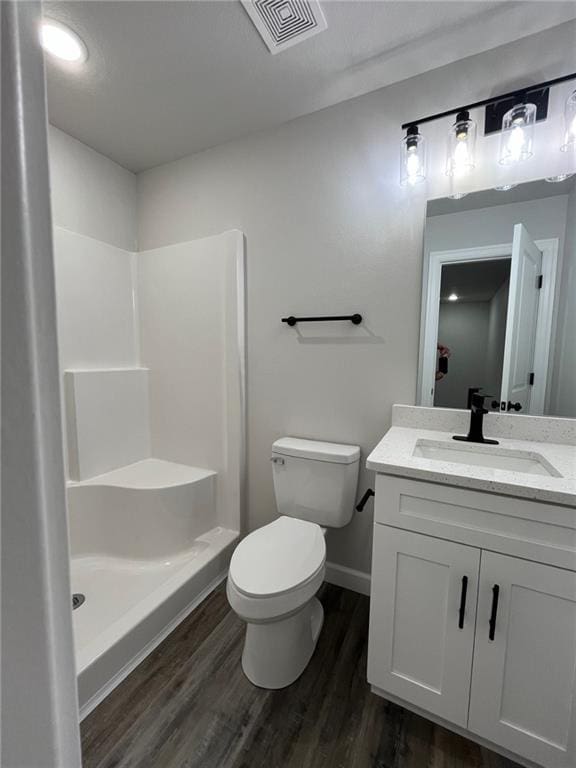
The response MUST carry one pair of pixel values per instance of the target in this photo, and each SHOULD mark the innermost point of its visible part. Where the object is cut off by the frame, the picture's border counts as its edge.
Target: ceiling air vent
(284, 23)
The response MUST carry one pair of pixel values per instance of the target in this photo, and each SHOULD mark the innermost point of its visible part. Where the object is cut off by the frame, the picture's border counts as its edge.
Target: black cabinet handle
(462, 609)
(494, 611)
(513, 406)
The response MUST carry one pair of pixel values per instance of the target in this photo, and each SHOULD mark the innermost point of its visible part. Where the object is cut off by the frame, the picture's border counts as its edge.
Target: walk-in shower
(152, 366)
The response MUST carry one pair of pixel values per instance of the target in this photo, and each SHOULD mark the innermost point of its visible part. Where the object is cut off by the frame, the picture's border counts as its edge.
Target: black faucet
(477, 411)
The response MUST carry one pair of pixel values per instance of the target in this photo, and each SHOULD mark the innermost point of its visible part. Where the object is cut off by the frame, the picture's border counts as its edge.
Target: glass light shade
(461, 146)
(505, 187)
(569, 123)
(412, 158)
(517, 137)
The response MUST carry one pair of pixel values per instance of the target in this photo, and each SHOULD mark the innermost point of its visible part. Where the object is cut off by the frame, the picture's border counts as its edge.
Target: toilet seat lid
(278, 557)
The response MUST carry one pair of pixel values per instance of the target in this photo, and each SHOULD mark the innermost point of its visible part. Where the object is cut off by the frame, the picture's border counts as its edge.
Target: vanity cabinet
(480, 640)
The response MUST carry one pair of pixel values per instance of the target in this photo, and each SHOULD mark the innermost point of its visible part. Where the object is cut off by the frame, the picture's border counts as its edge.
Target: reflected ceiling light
(559, 178)
(457, 195)
(505, 187)
(453, 297)
(517, 137)
(60, 41)
(461, 145)
(412, 157)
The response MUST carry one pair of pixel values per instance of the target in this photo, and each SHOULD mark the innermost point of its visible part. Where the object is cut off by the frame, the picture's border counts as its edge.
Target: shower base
(143, 556)
(131, 606)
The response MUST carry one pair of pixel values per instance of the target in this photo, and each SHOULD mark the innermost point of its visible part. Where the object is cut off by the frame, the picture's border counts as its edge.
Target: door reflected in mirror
(499, 300)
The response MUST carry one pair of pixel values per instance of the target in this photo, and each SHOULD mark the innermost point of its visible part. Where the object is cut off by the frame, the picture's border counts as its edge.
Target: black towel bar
(356, 319)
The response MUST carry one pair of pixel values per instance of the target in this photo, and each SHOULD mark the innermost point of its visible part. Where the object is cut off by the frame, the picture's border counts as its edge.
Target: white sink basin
(527, 462)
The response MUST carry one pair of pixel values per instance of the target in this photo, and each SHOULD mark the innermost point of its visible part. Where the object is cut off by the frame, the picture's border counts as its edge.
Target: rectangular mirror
(499, 299)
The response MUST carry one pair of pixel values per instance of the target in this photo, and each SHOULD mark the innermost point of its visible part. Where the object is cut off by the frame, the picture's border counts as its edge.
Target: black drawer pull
(494, 611)
(462, 609)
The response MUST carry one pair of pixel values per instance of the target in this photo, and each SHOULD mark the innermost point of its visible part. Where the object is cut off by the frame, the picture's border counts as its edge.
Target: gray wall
(91, 195)
(475, 332)
(495, 225)
(328, 230)
(463, 328)
(563, 399)
(496, 339)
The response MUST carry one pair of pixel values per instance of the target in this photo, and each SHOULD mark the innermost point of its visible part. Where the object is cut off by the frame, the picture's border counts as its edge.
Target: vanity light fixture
(559, 178)
(570, 123)
(512, 114)
(61, 42)
(517, 137)
(461, 145)
(412, 157)
(457, 195)
(453, 297)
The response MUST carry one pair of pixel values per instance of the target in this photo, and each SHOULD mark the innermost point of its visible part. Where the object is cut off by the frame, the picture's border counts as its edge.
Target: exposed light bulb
(516, 143)
(461, 143)
(60, 41)
(412, 158)
(517, 134)
(453, 297)
(461, 156)
(413, 166)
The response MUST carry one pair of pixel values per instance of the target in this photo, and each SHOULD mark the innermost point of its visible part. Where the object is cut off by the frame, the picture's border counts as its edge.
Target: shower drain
(77, 600)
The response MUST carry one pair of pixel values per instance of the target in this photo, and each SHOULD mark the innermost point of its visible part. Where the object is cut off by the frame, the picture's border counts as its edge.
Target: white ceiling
(166, 79)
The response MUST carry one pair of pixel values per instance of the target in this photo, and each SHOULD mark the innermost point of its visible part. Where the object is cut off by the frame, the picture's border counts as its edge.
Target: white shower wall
(96, 310)
(97, 319)
(191, 328)
(178, 312)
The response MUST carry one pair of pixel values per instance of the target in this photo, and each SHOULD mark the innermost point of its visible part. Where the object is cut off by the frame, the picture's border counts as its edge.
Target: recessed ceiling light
(60, 41)
(453, 297)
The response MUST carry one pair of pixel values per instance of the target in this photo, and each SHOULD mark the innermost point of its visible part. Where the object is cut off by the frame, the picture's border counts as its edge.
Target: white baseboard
(349, 578)
(98, 697)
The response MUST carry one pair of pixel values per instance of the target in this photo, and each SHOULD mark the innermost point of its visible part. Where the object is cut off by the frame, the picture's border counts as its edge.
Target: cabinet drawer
(489, 521)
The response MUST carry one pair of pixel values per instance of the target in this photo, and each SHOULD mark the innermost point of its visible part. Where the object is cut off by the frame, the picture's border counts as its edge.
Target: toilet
(276, 570)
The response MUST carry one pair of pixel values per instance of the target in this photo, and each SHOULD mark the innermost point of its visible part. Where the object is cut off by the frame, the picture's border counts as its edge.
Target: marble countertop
(394, 456)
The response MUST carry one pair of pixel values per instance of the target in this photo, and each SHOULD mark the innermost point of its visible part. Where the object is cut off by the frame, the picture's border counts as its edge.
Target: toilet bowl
(276, 570)
(274, 576)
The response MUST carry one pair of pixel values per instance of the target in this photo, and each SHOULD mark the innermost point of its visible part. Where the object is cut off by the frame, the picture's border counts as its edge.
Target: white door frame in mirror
(432, 276)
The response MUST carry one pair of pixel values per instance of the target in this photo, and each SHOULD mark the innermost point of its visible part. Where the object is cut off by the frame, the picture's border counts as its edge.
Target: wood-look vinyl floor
(188, 705)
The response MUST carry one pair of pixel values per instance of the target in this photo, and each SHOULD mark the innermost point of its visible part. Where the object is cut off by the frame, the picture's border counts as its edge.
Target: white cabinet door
(524, 679)
(521, 321)
(422, 613)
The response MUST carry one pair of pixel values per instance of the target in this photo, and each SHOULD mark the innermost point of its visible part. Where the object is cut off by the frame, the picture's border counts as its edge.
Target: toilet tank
(315, 481)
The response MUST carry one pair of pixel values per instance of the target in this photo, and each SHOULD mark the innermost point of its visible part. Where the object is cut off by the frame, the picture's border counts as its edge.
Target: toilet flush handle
(364, 500)
(277, 460)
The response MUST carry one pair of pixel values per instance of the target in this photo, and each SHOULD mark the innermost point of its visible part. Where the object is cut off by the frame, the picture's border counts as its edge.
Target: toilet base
(277, 652)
